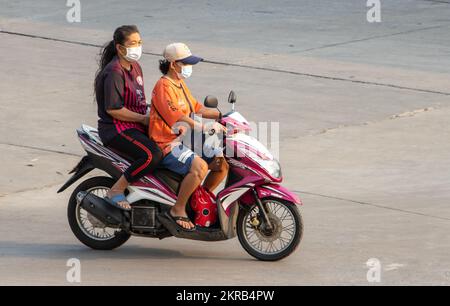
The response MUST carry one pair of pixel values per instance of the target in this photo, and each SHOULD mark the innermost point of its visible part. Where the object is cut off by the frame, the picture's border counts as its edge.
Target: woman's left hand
(145, 120)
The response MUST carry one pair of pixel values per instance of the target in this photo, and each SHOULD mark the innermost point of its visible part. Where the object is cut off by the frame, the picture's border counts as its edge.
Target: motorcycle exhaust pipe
(103, 211)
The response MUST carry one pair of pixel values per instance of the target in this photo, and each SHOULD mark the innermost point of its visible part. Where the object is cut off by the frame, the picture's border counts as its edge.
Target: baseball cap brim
(191, 60)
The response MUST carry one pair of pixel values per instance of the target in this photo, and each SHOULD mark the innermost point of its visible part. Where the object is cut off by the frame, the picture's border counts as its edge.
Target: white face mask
(133, 54)
(186, 71)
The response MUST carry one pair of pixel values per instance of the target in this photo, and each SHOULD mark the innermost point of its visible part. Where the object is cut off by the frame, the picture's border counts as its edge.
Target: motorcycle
(252, 206)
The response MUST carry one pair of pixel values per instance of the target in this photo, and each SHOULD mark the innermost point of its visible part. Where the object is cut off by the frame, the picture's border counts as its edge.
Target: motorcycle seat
(169, 178)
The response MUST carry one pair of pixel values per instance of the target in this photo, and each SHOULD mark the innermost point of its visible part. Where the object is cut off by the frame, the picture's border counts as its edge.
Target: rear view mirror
(211, 101)
(232, 97)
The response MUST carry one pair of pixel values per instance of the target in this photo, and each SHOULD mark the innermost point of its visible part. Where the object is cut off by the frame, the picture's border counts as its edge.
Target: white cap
(179, 52)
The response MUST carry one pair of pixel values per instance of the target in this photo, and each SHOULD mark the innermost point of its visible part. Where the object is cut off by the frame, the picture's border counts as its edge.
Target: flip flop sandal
(117, 198)
(174, 219)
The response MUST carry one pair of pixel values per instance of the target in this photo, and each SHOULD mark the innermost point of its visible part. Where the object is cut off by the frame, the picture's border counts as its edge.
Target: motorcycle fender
(277, 191)
(81, 169)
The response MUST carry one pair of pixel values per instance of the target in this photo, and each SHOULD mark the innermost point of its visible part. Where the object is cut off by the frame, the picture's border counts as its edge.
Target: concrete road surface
(364, 128)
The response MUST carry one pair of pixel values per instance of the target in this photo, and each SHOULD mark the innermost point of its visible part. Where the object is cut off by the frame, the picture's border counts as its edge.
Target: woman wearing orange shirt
(172, 103)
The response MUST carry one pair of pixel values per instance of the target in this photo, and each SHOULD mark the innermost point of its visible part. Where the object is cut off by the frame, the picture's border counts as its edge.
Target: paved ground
(363, 111)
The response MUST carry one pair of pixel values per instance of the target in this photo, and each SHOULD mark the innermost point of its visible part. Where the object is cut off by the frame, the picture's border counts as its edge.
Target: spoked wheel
(89, 230)
(263, 242)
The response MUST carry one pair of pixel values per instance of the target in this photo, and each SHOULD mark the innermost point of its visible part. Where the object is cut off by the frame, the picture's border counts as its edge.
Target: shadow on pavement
(65, 251)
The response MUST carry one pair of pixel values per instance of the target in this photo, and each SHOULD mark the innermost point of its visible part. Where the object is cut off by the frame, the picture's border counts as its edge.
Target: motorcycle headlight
(271, 166)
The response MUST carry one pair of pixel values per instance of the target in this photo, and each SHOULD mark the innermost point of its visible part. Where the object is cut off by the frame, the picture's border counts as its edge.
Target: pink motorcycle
(252, 206)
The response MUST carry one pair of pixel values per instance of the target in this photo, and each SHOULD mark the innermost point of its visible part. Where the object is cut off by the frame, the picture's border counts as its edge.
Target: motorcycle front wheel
(263, 242)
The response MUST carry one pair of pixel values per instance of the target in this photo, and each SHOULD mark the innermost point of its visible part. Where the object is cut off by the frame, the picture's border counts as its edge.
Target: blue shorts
(179, 160)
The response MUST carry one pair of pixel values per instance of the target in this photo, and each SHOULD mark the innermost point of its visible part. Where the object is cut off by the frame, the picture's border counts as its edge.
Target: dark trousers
(145, 155)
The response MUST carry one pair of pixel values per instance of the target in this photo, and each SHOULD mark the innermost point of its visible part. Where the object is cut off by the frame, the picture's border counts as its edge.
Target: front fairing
(248, 151)
(235, 122)
(251, 154)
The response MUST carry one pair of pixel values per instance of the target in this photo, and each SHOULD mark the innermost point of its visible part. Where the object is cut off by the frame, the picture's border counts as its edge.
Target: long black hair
(108, 51)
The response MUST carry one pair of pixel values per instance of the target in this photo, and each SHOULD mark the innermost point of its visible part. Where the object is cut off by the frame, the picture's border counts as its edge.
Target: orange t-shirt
(172, 101)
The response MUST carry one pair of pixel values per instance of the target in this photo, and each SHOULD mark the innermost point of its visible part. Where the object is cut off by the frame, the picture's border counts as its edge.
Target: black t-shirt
(119, 88)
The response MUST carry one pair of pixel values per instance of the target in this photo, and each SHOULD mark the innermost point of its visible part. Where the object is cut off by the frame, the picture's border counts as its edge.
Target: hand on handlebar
(214, 127)
(180, 130)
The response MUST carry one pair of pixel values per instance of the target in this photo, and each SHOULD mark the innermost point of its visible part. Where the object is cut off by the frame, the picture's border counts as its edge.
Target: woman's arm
(197, 126)
(125, 114)
(192, 123)
(209, 113)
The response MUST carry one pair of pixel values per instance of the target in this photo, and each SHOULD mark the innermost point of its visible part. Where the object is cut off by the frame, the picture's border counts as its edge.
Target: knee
(224, 167)
(199, 168)
(152, 160)
(219, 165)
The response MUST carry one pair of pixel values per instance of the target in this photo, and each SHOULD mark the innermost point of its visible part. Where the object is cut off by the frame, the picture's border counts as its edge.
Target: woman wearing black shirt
(122, 109)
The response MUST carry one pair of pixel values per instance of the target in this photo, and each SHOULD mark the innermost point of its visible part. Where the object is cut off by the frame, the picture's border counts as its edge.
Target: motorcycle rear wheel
(112, 238)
